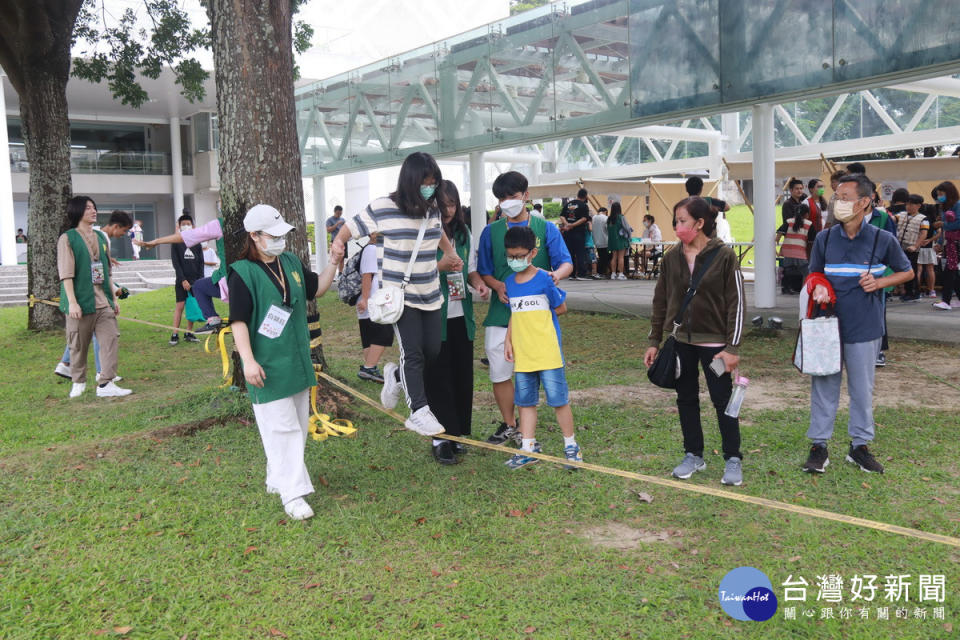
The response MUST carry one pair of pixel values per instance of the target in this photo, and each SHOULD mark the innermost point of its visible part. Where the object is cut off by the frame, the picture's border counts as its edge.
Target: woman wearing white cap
(269, 289)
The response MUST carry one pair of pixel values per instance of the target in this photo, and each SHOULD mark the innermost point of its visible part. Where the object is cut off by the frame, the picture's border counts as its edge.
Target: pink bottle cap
(743, 380)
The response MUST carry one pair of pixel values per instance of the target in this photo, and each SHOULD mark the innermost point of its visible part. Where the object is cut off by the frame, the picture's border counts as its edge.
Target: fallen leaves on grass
(122, 630)
(276, 633)
(249, 550)
(312, 585)
(644, 497)
(529, 629)
(367, 597)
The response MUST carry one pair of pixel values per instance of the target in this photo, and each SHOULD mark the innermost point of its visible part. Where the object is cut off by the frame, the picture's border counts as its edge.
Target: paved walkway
(917, 320)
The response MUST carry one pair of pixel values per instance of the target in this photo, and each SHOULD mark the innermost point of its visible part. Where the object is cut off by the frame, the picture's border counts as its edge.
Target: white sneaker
(111, 390)
(622, 276)
(298, 509)
(423, 421)
(117, 379)
(941, 305)
(390, 394)
(62, 370)
(77, 390)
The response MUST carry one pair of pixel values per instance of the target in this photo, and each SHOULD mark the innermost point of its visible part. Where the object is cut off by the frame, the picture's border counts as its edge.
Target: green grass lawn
(149, 512)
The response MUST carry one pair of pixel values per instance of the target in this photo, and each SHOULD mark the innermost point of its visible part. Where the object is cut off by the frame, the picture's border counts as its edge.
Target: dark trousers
(418, 336)
(449, 380)
(951, 284)
(910, 287)
(603, 261)
(576, 244)
(204, 291)
(692, 358)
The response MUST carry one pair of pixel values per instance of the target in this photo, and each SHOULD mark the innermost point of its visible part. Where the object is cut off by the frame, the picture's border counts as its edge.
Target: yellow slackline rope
(674, 484)
(321, 426)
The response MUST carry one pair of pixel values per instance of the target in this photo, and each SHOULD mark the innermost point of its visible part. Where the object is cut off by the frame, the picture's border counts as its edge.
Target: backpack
(350, 284)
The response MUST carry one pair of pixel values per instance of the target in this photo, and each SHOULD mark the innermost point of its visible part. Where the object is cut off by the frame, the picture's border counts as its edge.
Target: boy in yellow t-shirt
(533, 344)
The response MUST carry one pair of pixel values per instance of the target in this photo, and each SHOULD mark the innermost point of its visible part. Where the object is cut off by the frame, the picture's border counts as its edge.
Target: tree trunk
(259, 150)
(35, 39)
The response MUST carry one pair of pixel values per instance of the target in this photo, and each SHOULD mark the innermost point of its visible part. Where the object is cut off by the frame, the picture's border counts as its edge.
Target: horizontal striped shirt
(398, 236)
(843, 260)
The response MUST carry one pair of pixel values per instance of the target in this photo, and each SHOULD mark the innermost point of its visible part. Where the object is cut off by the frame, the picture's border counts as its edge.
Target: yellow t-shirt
(535, 332)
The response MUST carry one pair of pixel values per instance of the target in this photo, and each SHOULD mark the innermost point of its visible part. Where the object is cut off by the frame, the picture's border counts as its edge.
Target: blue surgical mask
(427, 191)
(941, 199)
(518, 264)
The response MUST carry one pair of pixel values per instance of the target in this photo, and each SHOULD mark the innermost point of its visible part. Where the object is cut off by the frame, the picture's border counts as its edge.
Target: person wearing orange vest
(798, 234)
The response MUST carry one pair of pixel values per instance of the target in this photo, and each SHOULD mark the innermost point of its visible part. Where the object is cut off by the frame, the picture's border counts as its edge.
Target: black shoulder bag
(666, 368)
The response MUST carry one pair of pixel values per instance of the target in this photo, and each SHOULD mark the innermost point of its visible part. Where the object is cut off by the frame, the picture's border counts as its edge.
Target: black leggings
(418, 336)
(951, 284)
(449, 380)
(688, 400)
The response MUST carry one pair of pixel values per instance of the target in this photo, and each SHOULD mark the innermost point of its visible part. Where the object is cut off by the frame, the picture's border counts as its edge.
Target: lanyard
(281, 279)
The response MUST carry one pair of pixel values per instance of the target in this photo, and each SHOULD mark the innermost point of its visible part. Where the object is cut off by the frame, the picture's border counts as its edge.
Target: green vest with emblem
(221, 270)
(82, 278)
(498, 314)
(462, 245)
(285, 359)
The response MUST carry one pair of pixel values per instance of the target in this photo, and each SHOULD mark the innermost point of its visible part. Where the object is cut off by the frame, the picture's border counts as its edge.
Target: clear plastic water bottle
(736, 396)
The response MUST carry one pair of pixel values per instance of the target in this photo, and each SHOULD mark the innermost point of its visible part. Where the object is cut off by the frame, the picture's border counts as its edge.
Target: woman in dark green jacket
(449, 380)
(269, 289)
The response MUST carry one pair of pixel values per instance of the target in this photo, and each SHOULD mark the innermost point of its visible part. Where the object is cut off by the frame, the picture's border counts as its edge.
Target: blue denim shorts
(527, 388)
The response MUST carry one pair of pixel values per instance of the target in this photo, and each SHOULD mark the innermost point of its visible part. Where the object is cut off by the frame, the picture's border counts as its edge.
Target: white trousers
(283, 428)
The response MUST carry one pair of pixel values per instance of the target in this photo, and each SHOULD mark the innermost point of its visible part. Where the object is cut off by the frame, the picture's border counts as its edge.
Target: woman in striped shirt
(397, 219)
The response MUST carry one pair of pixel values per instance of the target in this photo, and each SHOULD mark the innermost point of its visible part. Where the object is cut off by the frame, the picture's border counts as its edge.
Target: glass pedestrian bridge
(585, 67)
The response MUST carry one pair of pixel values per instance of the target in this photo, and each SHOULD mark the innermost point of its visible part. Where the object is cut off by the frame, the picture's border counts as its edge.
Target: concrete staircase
(136, 275)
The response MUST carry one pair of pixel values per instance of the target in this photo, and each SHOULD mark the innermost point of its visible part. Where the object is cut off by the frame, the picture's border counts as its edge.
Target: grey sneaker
(688, 466)
(390, 394)
(733, 472)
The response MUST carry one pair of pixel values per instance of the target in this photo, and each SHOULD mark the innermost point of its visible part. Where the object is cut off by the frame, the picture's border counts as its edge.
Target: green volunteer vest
(880, 222)
(286, 359)
(462, 245)
(221, 270)
(498, 314)
(82, 280)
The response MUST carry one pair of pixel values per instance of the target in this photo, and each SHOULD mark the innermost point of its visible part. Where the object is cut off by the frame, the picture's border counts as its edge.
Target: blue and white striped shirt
(860, 313)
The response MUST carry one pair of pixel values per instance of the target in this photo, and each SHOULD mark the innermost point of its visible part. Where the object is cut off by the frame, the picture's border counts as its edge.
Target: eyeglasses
(515, 257)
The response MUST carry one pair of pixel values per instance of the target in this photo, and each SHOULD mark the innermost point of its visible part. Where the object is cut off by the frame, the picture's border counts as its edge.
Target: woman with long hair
(398, 219)
(449, 378)
(617, 245)
(710, 330)
(269, 289)
(946, 194)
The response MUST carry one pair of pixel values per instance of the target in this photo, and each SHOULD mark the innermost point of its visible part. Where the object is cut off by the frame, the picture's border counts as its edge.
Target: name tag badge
(456, 286)
(96, 272)
(275, 320)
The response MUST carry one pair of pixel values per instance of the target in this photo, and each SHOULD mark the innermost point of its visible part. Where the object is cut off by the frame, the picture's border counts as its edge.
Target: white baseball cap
(263, 217)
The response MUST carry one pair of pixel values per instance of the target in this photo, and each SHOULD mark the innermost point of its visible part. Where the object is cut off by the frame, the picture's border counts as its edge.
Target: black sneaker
(370, 373)
(174, 339)
(881, 359)
(443, 453)
(503, 433)
(209, 328)
(818, 460)
(458, 448)
(862, 457)
(189, 337)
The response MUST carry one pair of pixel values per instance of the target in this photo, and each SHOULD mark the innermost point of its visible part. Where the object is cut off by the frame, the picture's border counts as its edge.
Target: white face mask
(511, 208)
(273, 246)
(843, 211)
(186, 227)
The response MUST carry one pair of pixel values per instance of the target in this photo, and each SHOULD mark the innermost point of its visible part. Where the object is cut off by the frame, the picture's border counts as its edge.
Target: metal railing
(115, 162)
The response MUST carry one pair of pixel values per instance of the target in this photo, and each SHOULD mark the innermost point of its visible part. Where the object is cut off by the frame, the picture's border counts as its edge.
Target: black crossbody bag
(666, 368)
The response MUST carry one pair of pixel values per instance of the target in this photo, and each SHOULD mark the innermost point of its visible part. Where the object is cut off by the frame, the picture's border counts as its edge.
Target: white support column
(8, 226)
(730, 137)
(764, 219)
(319, 228)
(478, 196)
(176, 167)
